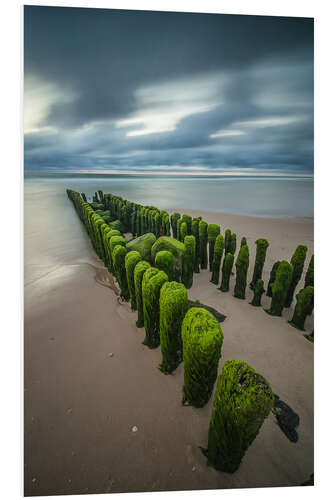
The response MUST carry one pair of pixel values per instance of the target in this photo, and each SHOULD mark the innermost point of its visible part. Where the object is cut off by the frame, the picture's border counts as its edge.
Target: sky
(118, 91)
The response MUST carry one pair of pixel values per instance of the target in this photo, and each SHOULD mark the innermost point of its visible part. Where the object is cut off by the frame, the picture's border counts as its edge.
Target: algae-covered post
(280, 288)
(297, 261)
(165, 262)
(188, 221)
(309, 277)
(213, 230)
(257, 293)
(139, 271)
(173, 307)
(218, 252)
(243, 241)
(242, 401)
(242, 265)
(195, 233)
(131, 260)
(183, 231)
(303, 308)
(227, 241)
(118, 257)
(228, 262)
(177, 250)
(261, 251)
(233, 243)
(174, 218)
(143, 245)
(189, 261)
(113, 242)
(203, 238)
(153, 279)
(202, 342)
(272, 277)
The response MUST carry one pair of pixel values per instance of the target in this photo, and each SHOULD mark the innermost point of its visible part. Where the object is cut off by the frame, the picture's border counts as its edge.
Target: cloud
(140, 90)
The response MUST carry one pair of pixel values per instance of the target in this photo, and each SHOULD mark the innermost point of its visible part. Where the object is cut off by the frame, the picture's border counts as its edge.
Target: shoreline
(81, 403)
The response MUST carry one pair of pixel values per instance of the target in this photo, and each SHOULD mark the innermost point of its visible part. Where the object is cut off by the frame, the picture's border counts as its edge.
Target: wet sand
(89, 381)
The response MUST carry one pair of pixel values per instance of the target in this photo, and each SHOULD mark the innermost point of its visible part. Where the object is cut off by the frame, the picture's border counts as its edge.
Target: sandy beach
(89, 380)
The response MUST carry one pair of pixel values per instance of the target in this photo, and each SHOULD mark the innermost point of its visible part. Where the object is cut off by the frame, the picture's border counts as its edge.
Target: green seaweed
(189, 261)
(257, 293)
(203, 239)
(131, 260)
(139, 270)
(272, 277)
(228, 262)
(143, 244)
(297, 261)
(213, 230)
(202, 339)
(118, 258)
(309, 276)
(217, 257)
(175, 247)
(242, 266)
(173, 307)
(174, 218)
(183, 231)
(242, 401)
(303, 308)
(153, 279)
(195, 233)
(280, 288)
(164, 261)
(261, 251)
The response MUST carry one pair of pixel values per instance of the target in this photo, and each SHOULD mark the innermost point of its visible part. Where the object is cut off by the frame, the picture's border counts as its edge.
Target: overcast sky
(132, 91)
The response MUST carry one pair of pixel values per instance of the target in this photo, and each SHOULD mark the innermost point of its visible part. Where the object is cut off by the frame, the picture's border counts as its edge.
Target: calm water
(259, 196)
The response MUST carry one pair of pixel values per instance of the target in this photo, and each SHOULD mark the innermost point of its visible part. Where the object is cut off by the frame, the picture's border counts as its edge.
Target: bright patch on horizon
(163, 106)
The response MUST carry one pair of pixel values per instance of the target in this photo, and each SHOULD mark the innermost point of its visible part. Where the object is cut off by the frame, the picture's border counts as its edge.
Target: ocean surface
(257, 196)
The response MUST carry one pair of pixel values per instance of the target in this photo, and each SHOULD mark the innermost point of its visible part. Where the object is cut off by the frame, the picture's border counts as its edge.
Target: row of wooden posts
(203, 245)
(188, 334)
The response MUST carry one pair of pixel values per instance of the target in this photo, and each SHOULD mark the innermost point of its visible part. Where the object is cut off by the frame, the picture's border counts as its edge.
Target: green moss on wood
(303, 308)
(227, 241)
(217, 257)
(152, 282)
(280, 288)
(242, 401)
(143, 244)
(173, 307)
(174, 218)
(164, 261)
(242, 266)
(213, 230)
(203, 238)
(309, 277)
(202, 342)
(113, 242)
(183, 231)
(272, 277)
(228, 262)
(189, 261)
(118, 257)
(139, 270)
(233, 243)
(297, 261)
(257, 293)
(261, 251)
(131, 260)
(195, 233)
(175, 247)
(243, 241)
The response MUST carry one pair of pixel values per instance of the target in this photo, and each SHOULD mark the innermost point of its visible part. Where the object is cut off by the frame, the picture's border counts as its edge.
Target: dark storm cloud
(99, 68)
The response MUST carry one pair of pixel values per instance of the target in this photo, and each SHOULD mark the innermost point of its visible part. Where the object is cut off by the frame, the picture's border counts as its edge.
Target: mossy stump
(176, 248)
(195, 233)
(152, 282)
(272, 277)
(189, 261)
(261, 251)
(164, 261)
(243, 241)
(228, 262)
(174, 219)
(118, 258)
(303, 308)
(217, 257)
(113, 242)
(203, 238)
(280, 288)
(213, 230)
(257, 293)
(242, 266)
(173, 307)
(131, 260)
(183, 231)
(309, 277)
(233, 243)
(202, 339)
(227, 241)
(242, 401)
(143, 245)
(297, 261)
(139, 270)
